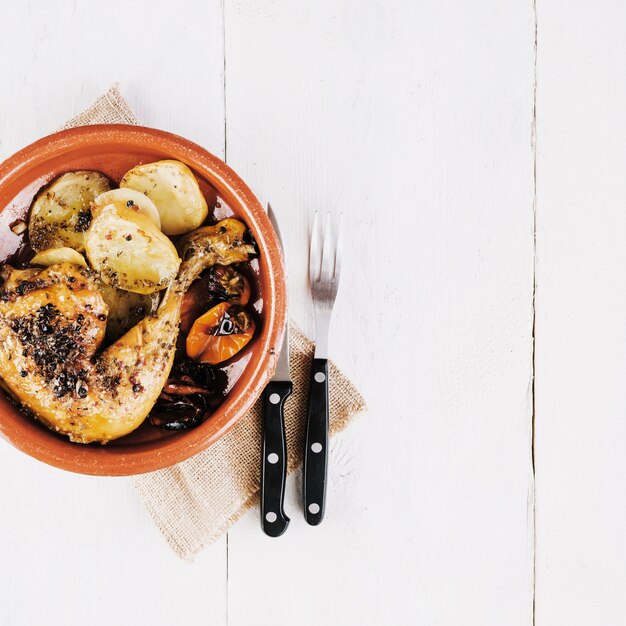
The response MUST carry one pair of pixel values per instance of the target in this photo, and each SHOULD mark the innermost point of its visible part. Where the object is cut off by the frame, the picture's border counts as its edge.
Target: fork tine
(328, 257)
(314, 251)
(339, 250)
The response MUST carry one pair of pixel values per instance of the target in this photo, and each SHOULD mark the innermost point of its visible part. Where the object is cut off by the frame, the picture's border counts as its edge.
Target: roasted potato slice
(60, 214)
(52, 256)
(134, 200)
(174, 190)
(129, 251)
(126, 309)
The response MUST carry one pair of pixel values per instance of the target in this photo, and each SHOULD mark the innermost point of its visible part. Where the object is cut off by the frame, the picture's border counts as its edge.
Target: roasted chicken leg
(52, 324)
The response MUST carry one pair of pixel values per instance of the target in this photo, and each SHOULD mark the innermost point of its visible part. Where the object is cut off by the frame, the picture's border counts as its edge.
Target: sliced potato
(60, 214)
(174, 190)
(126, 309)
(134, 200)
(52, 256)
(129, 251)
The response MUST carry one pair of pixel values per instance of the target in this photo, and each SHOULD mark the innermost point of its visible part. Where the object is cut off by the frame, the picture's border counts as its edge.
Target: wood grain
(581, 308)
(414, 120)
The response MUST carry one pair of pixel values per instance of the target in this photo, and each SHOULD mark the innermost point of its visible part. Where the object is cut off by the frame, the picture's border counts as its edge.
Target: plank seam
(534, 315)
(224, 79)
(225, 129)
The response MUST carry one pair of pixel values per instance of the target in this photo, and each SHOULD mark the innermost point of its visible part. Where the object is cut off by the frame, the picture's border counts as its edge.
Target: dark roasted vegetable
(201, 374)
(225, 283)
(221, 283)
(179, 414)
(183, 388)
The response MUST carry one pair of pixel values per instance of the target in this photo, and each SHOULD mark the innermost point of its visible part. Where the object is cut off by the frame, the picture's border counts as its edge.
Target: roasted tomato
(219, 334)
(220, 283)
(226, 283)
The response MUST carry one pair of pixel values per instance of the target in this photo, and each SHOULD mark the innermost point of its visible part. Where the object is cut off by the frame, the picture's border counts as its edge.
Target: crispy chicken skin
(52, 324)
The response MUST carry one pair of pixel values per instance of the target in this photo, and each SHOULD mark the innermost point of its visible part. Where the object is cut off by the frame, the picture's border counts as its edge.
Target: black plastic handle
(316, 444)
(274, 459)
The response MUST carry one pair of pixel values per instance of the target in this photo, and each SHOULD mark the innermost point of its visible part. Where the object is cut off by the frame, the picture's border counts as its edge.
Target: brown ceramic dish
(113, 149)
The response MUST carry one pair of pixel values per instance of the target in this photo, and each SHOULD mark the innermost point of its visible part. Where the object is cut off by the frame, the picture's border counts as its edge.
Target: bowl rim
(149, 456)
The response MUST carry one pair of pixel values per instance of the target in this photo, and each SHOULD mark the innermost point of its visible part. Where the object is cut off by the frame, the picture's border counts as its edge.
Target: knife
(274, 448)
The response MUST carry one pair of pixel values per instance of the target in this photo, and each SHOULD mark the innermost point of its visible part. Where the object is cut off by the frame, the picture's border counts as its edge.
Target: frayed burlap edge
(109, 108)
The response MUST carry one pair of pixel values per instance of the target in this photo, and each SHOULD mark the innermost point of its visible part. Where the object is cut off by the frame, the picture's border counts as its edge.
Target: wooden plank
(81, 550)
(57, 57)
(581, 307)
(414, 120)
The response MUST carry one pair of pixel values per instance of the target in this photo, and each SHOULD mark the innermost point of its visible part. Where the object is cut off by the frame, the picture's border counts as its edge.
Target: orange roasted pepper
(219, 334)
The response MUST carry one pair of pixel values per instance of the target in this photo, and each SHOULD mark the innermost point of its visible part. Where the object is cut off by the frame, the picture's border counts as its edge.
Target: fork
(324, 271)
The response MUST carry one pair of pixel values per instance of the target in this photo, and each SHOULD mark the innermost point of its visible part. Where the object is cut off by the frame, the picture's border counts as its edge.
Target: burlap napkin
(195, 502)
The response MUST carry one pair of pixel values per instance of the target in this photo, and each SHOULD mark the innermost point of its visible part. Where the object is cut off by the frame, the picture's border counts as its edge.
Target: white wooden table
(486, 484)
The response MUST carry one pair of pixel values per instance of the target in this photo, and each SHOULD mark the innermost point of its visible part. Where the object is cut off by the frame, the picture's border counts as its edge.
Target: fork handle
(316, 444)
(274, 459)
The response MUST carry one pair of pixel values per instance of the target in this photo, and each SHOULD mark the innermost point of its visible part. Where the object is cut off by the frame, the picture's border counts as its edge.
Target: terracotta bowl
(113, 149)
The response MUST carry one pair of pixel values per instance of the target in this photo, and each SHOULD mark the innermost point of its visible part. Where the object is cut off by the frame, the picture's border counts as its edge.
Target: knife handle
(274, 459)
(316, 444)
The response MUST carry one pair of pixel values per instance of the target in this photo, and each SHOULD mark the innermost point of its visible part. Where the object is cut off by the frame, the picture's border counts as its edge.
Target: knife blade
(274, 445)
(282, 371)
